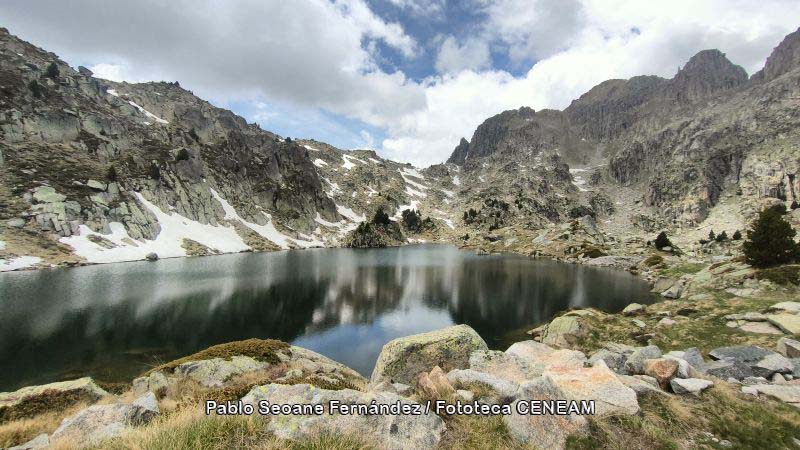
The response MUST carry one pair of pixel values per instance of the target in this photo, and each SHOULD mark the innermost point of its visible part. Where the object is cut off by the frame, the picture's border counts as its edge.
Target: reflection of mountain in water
(111, 321)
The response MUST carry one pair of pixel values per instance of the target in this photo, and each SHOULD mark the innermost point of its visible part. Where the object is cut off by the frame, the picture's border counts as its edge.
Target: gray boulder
(402, 359)
(689, 385)
(39, 442)
(789, 347)
(748, 354)
(82, 389)
(728, 369)
(614, 361)
(504, 365)
(772, 364)
(390, 431)
(100, 422)
(497, 390)
(634, 364)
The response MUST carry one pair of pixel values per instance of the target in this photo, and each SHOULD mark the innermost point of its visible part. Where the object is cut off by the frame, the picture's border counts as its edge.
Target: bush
(722, 236)
(580, 211)
(794, 205)
(711, 236)
(381, 218)
(703, 241)
(35, 88)
(183, 155)
(770, 240)
(737, 235)
(52, 71)
(412, 220)
(662, 241)
(784, 275)
(154, 172)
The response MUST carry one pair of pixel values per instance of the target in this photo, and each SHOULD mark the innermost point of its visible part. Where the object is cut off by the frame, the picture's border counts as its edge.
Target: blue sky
(408, 78)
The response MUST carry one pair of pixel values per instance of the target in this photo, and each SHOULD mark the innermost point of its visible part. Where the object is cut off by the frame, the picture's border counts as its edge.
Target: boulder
(666, 322)
(674, 292)
(695, 358)
(39, 442)
(633, 309)
(497, 391)
(772, 364)
(748, 354)
(402, 359)
(635, 362)
(685, 370)
(100, 422)
(789, 347)
(788, 323)
(563, 331)
(760, 328)
(662, 369)
(151, 257)
(390, 431)
(725, 369)
(640, 383)
(155, 382)
(19, 403)
(662, 284)
(786, 307)
(96, 185)
(216, 371)
(690, 385)
(508, 366)
(547, 430)
(614, 361)
(435, 384)
(541, 356)
(596, 383)
(782, 392)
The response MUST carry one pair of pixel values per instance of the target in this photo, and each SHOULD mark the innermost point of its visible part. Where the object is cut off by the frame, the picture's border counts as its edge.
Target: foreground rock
(596, 383)
(100, 422)
(748, 361)
(30, 400)
(391, 431)
(402, 359)
(692, 386)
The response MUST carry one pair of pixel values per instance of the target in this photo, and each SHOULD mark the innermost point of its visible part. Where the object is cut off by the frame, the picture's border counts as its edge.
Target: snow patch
(399, 214)
(374, 160)
(20, 262)
(370, 191)
(2, 245)
(348, 164)
(415, 193)
(147, 113)
(320, 163)
(450, 194)
(412, 173)
(311, 148)
(113, 92)
(448, 222)
(457, 180)
(350, 214)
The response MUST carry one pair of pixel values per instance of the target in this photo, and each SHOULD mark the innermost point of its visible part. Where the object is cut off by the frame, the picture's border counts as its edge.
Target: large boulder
(504, 365)
(596, 383)
(100, 422)
(563, 331)
(547, 430)
(33, 400)
(402, 359)
(725, 369)
(788, 347)
(635, 362)
(662, 369)
(216, 371)
(391, 431)
(692, 386)
(542, 356)
(762, 362)
(486, 387)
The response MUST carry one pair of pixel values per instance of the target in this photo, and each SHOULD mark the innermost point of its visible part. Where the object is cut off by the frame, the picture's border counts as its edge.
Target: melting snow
(334, 188)
(20, 262)
(350, 214)
(2, 245)
(456, 181)
(311, 148)
(348, 164)
(147, 113)
(113, 92)
(448, 222)
(413, 205)
(415, 193)
(448, 193)
(374, 160)
(320, 163)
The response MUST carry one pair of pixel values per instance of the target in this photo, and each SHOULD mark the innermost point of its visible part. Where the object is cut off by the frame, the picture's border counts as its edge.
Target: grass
(681, 269)
(47, 401)
(784, 275)
(672, 422)
(264, 350)
(24, 429)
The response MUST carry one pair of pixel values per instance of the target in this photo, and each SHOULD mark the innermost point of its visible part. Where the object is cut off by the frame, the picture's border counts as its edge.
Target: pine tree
(737, 235)
(52, 71)
(770, 240)
(662, 241)
(722, 236)
(711, 235)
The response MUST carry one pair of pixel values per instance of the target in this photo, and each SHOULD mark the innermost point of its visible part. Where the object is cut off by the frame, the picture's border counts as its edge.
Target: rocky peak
(707, 72)
(459, 154)
(784, 58)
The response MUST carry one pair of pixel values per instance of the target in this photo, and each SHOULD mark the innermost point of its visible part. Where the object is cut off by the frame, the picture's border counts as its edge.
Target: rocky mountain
(97, 171)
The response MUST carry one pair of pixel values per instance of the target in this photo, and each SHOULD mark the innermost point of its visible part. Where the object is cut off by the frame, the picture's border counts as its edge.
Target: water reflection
(113, 321)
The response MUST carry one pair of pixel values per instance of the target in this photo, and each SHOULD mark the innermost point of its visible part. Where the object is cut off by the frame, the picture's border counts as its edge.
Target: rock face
(391, 431)
(402, 359)
(23, 402)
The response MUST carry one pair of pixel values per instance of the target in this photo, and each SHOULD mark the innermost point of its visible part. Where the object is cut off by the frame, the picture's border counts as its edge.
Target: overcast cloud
(334, 69)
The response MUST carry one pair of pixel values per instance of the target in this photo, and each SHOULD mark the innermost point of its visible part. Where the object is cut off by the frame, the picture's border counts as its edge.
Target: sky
(407, 78)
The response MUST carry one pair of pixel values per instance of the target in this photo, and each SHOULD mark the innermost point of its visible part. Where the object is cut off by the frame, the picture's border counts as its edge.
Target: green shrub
(783, 275)
(154, 172)
(722, 237)
(52, 71)
(183, 155)
(653, 261)
(711, 236)
(737, 235)
(770, 240)
(111, 173)
(35, 88)
(662, 241)
(381, 218)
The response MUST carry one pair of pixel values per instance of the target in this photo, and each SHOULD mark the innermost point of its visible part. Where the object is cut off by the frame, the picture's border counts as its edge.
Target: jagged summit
(706, 73)
(784, 58)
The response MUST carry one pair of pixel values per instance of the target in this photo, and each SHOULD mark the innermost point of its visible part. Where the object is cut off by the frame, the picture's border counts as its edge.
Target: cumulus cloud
(430, 8)
(454, 57)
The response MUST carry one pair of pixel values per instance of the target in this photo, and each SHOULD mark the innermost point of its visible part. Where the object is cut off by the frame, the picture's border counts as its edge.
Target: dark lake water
(114, 321)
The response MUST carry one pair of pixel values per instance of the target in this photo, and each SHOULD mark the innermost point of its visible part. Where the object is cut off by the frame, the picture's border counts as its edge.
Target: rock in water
(402, 359)
(390, 431)
(151, 257)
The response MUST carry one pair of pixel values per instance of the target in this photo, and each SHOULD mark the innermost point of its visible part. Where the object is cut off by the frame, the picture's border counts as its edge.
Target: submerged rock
(402, 359)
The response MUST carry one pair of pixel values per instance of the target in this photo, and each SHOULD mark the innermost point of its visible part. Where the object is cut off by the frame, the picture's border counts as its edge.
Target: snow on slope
(174, 228)
(320, 163)
(348, 164)
(22, 262)
(147, 113)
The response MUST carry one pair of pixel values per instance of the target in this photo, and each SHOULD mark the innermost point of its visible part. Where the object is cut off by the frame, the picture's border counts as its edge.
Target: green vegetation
(47, 401)
(182, 155)
(35, 88)
(111, 173)
(653, 260)
(770, 240)
(579, 211)
(722, 237)
(662, 241)
(381, 218)
(783, 275)
(154, 172)
(737, 235)
(52, 71)
(259, 349)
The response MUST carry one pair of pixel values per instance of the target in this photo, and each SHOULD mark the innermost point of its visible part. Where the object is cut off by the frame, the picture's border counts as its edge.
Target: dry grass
(22, 430)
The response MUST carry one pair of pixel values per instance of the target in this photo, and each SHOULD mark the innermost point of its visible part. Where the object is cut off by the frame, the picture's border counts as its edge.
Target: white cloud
(430, 8)
(618, 39)
(369, 141)
(452, 57)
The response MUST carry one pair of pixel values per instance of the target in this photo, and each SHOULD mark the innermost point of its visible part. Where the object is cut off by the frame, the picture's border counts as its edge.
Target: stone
(662, 284)
(640, 385)
(771, 364)
(685, 370)
(760, 328)
(547, 430)
(614, 361)
(465, 396)
(639, 323)
(695, 358)
(435, 384)
(623, 349)
(633, 309)
(39, 442)
(725, 369)
(500, 391)
(788, 307)
(788, 323)
(749, 381)
(662, 369)
(562, 331)
(788, 347)
(47, 194)
(82, 389)
(100, 422)
(782, 392)
(748, 354)
(390, 431)
(542, 356)
(666, 322)
(692, 386)
(151, 257)
(15, 223)
(96, 185)
(674, 292)
(635, 362)
(402, 359)
(508, 366)
(216, 371)
(155, 382)
(596, 383)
